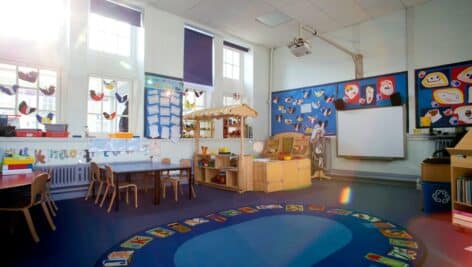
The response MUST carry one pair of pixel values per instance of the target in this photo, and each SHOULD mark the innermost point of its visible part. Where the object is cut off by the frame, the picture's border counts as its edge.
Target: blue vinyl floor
(85, 231)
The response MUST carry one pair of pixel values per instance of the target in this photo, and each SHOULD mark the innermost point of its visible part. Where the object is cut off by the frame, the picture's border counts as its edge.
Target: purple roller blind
(235, 46)
(198, 58)
(114, 11)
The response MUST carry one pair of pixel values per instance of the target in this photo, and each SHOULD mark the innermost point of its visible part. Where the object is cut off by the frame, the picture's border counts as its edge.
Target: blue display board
(162, 106)
(299, 110)
(444, 95)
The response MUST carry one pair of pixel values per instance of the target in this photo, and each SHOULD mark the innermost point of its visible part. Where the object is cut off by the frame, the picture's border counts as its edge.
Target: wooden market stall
(223, 170)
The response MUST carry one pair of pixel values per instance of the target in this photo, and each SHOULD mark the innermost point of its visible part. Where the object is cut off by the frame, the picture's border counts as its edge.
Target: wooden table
(17, 180)
(128, 168)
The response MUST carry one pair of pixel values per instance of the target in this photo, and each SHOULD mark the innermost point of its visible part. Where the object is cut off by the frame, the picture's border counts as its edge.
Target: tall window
(109, 35)
(231, 63)
(108, 105)
(29, 94)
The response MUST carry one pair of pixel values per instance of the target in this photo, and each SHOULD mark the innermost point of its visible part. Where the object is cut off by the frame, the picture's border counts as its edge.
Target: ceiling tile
(409, 3)
(376, 8)
(307, 13)
(347, 13)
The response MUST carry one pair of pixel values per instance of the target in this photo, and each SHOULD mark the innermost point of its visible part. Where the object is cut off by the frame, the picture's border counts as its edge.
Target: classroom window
(29, 93)
(109, 35)
(231, 63)
(108, 105)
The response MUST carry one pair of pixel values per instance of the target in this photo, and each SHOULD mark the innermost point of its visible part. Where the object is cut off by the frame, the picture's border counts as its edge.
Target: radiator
(68, 181)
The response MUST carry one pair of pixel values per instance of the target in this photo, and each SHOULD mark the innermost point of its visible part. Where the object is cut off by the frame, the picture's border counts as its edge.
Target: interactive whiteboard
(371, 132)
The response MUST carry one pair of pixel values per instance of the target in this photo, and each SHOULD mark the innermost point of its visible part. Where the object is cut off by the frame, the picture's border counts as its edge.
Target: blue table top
(143, 166)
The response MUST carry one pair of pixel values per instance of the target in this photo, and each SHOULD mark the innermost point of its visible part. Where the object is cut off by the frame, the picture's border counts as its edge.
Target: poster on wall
(373, 91)
(162, 106)
(299, 110)
(444, 95)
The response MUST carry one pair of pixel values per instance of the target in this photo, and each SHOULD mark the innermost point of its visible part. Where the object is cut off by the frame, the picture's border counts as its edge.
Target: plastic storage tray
(55, 127)
(56, 134)
(29, 133)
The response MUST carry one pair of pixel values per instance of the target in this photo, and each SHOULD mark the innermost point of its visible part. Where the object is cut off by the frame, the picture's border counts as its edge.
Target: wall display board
(162, 106)
(374, 91)
(444, 95)
(298, 110)
(386, 140)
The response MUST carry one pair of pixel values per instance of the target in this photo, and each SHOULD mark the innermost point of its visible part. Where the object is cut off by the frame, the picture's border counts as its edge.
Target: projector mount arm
(357, 58)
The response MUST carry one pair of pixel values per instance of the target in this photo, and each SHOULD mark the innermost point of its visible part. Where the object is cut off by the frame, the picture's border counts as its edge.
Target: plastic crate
(50, 127)
(56, 134)
(436, 196)
(29, 133)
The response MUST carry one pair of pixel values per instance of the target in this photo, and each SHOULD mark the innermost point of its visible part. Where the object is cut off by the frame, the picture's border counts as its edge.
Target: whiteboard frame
(374, 157)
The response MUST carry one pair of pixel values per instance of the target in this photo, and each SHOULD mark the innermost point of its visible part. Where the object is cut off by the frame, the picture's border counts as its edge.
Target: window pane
(29, 75)
(27, 95)
(109, 35)
(226, 55)
(235, 73)
(7, 74)
(7, 101)
(47, 102)
(47, 78)
(108, 103)
(7, 112)
(28, 121)
(108, 126)
(93, 123)
(94, 106)
(109, 87)
(95, 84)
(236, 58)
(121, 108)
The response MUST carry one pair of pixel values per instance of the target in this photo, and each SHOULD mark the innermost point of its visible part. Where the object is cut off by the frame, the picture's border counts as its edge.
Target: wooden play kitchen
(225, 171)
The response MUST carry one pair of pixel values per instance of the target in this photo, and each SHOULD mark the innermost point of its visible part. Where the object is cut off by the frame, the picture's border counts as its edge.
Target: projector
(299, 47)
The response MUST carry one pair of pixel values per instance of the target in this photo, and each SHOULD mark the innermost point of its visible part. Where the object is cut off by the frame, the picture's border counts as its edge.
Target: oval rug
(271, 235)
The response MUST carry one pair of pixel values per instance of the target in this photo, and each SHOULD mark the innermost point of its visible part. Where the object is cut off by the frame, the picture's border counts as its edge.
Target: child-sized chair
(175, 179)
(38, 197)
(95, 177)
(111, 186)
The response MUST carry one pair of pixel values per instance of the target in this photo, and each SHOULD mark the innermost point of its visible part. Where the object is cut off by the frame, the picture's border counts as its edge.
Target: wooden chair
(49, 200)
(111, 186)
(175, 179)
(166, 179)
(95, 177)
(38, 197)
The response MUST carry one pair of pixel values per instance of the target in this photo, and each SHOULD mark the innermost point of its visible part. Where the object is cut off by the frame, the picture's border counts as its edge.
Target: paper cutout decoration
(39, 156)
(110, 85)
(448, 96)
(45, 119)
(385, 87)
(9, 90)
(95, 97)
(434, 115)
(464, 114)
(48, 91)
(25, 109)
(121, 99)
(369, 94)
(31, 76)
(435, 79)
(351, 93)
(109, 117)
(465, 75)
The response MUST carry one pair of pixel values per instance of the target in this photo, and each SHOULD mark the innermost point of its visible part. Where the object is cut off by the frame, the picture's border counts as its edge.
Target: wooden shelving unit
(206, 129)
(235, 179)
(461, 166)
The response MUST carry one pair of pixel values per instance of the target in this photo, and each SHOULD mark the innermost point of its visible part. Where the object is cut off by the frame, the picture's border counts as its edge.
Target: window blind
(115, 11)
(198, 60)
(235, 46)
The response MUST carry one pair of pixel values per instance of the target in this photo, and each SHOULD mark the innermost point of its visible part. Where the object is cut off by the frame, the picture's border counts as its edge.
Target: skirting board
(374, 175)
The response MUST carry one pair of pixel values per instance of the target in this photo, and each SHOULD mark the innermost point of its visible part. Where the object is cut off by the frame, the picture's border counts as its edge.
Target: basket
(55, 127)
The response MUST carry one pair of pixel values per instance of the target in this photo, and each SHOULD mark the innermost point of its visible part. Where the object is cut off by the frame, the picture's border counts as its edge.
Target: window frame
(114, 125)
(104, 31)
(57, 95)
(232, 64)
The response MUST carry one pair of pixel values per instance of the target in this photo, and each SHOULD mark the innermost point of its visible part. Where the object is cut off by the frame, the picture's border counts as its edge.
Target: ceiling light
(273, 19)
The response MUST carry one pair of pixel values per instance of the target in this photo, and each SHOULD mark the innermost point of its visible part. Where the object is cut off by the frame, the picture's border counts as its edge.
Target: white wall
(430, 34)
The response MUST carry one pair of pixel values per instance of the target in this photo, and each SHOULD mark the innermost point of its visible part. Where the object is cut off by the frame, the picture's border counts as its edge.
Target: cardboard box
(436, 172)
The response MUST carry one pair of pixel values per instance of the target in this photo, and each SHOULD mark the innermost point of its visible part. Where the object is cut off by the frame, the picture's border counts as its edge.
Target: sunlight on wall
(31, 19)
(345, 196)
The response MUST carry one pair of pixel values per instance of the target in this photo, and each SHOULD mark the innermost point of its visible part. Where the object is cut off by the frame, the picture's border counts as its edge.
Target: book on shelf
(464, 189)
(11, 172)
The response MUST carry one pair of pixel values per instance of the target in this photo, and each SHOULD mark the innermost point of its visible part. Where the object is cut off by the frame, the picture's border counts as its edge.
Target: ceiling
(238, 17)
